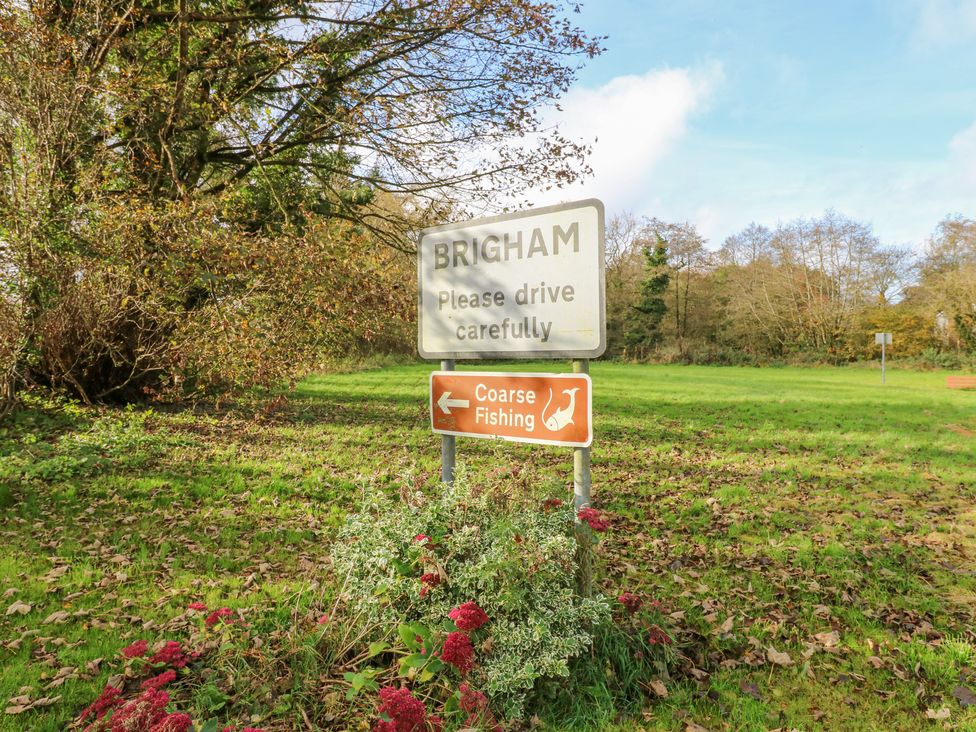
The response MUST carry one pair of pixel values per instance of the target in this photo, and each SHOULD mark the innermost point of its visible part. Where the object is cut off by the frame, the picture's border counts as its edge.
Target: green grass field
(812, 533)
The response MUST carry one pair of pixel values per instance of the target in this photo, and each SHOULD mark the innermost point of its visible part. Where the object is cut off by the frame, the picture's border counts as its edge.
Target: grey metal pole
(883, 338)
(581, 499)
(448, 442)
(581, 455)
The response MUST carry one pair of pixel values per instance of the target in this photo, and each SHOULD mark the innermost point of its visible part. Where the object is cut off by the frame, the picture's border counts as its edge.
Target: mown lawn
(812, 533)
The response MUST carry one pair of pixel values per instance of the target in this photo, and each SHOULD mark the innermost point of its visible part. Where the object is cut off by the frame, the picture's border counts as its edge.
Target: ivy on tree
(644, 320)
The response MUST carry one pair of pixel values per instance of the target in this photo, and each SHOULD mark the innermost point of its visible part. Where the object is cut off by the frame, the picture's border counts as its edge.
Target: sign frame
(516, 374)
(524, 354)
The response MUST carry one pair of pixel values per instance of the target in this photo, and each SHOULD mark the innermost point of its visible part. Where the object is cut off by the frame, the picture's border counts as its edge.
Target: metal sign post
(581, 499)
(448, 442)
(885, 340)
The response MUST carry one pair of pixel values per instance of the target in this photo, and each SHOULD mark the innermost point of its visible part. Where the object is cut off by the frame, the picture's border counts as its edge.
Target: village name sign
(523, 285)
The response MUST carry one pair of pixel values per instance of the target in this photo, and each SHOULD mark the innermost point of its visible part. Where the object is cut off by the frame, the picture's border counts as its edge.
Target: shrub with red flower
(178, 722)
(402, 711)
(198, 606)
(141, 713)
(550, 503)
(219, 615)
(159, 681)
(109, 698)
(475, 705)
(631, 602)
(430, 580)
(468, 616)
(136, 650)
(422, 539)
(458, 651)
(594, 518)
(471, 699)
(171, 654)
(657, 636)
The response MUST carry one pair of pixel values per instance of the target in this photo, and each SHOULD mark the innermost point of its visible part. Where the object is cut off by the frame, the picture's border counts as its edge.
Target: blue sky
(723, 113)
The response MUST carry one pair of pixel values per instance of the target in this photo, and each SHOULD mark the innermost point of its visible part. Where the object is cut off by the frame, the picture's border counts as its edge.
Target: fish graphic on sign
(561, 417)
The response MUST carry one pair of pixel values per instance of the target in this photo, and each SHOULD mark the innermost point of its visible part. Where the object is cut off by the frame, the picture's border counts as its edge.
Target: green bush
(516, 560)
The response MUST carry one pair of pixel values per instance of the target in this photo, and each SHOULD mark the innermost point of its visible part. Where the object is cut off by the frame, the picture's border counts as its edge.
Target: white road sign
(523, 285)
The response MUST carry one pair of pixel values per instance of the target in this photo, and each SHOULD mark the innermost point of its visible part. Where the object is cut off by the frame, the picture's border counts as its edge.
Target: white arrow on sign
(445, 403)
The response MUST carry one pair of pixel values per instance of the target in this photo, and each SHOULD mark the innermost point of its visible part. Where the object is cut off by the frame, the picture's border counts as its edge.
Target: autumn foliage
(200, 195)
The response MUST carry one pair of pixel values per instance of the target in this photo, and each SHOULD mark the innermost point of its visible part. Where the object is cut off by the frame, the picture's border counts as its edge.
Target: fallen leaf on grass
(20, 704)
(828, 640)
(659, 689)
(750, 688)
(965, 696)
(60, 616)
(55, 573)
(9, 592)
(937, 713)
(19, 607)
(692, 727)
(779, 658)
(875, 661)
(725, 627)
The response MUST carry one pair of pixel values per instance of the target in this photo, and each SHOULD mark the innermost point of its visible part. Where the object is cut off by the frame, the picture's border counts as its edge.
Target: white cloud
(945, 22)
(631, 122)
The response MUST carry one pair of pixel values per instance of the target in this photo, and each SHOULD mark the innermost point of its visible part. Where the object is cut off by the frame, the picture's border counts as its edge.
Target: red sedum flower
(219, 615)
(472, 700)
(110, 697)
(402, 711)
(173, 723)
(657, 636)
(158, 682)
(594, 518)
(459, 652)
(198, 606)
(468, 616)
(141, 713)
(171, 654)
(429, 582)
(136, 650)
(630, 601)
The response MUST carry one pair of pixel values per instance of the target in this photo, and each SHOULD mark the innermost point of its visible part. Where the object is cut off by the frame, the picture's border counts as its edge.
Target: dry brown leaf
(60, 616)
(9, 592)
(725, 627)
(829, 639)
(942, 713)
(750, 688)
(659, 689)
(19, 607)
(965, 696)
(778, 657)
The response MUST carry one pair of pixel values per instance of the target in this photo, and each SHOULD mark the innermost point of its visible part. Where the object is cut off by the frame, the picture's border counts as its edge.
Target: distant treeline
(806, 291)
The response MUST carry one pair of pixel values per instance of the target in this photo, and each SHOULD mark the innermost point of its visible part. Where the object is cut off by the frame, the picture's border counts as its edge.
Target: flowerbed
(466, 589)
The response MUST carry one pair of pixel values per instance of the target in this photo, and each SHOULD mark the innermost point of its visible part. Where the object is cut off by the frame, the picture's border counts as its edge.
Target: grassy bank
(812, 533)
